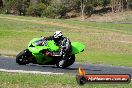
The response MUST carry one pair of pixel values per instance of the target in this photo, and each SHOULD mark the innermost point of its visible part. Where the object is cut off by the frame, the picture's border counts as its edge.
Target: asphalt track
(9, 64)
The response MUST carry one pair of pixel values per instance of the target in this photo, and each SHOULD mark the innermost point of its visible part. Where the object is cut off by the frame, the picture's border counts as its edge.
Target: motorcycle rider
(63, 42)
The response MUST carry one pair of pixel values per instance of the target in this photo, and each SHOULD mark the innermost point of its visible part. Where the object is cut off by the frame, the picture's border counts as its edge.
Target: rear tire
(67, 62)
(22, 57)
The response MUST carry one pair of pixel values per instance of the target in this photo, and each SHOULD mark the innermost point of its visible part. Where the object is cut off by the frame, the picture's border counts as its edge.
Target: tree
(106, 2)
(117, 6)
(82, 9)
(16, 6)
(36, 9)
(61, 7)
(1, 3)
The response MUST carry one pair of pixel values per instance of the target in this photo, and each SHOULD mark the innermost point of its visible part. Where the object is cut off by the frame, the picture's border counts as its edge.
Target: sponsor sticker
(83, 78)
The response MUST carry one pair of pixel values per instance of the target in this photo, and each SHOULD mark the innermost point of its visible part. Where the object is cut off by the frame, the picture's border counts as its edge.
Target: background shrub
(49, 12)
(36, 9)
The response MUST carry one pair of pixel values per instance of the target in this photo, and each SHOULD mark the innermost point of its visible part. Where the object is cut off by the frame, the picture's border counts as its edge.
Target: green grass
(18, 80)
(123, 28)
(106, 43)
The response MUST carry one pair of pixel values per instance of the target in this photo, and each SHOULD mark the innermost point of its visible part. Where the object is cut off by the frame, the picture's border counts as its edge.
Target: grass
(106, 43)
(124, 28)
(13, 80)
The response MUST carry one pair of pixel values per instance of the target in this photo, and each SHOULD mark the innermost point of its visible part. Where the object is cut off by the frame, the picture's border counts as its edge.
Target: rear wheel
(67, 62)
(23, 57)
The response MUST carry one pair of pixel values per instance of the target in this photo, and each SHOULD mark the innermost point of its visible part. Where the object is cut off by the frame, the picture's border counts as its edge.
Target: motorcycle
(46, 52)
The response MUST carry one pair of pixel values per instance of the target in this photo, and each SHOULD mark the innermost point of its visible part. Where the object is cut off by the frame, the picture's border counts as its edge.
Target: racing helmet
(58, 35)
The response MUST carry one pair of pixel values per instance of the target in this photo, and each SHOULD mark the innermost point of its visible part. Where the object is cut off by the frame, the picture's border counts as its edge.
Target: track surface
(10, 64)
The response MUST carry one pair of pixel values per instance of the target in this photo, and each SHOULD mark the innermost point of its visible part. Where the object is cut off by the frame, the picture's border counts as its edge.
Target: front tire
(22, 57)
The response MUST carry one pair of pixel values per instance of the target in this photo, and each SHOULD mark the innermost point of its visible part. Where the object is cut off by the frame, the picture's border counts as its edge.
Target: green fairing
(33, 40)
(77, 47)
(40, 60)
(36, 50)
(47, 59)
(51, 46)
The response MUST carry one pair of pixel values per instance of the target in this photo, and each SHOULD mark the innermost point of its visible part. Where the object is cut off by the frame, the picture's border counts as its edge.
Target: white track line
(33, 72)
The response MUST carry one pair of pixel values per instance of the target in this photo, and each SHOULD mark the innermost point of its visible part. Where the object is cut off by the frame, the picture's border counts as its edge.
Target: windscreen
(41, 42)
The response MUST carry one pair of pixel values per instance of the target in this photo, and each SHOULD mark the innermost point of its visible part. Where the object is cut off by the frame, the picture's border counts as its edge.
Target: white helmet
(58, 34)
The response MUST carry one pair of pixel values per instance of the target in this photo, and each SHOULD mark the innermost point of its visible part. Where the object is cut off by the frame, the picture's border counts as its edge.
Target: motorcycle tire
(67, 62)
(22, 57)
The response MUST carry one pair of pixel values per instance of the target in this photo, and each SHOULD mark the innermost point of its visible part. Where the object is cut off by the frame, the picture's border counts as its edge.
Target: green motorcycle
(46, 52)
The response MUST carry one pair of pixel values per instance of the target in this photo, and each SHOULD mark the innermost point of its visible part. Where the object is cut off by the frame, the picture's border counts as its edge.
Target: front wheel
(66, 62)
(22, 57)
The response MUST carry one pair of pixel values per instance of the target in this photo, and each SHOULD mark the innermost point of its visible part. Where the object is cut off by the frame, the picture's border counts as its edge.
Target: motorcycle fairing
(77, 47)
